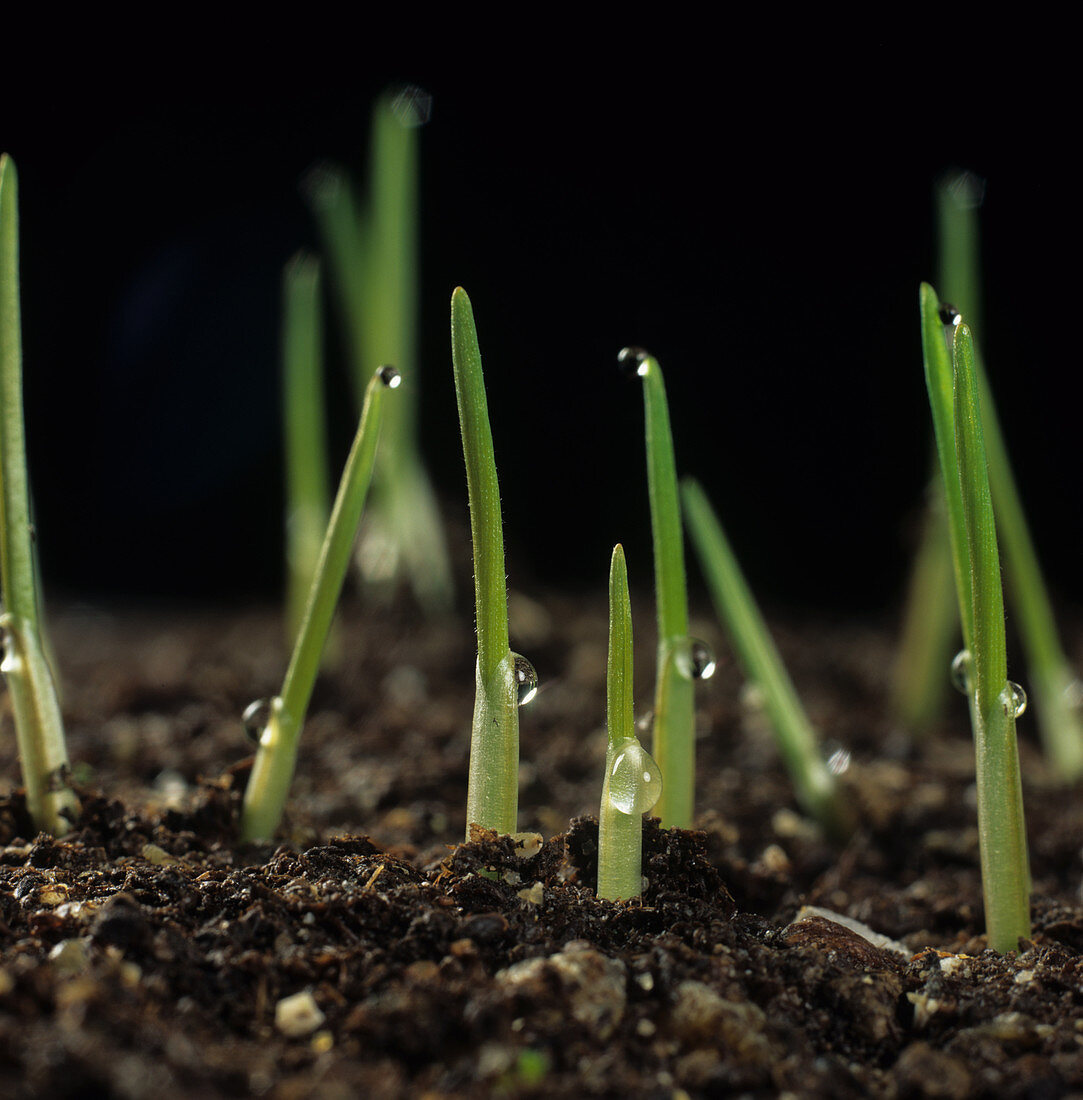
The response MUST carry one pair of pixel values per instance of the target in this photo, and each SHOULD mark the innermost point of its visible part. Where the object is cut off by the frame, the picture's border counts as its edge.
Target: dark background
(761, 227)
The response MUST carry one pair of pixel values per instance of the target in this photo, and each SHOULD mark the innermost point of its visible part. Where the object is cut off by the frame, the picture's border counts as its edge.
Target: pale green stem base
(39, 731)
(492, 797)
(620, 844)
(673, 743)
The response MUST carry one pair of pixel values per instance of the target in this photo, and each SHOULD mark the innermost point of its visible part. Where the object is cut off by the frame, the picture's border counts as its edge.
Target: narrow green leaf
(276, 758)
(307, 491)
(1002, 836)
(493, 793)
(674, 702)
(939, 381)
(38, 725)
(816, 788)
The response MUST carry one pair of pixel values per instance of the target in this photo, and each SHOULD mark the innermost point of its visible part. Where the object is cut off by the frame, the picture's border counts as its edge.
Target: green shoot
(816, 788)
(930, 621)
(632, 782)
(307, 493)
(38, 725)
(680, 659)
(503, 680)
(373, 258)
(994, 701)
(1052, 682)
(276, 758)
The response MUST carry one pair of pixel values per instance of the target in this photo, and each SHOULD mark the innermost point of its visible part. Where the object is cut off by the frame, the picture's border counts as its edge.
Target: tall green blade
(276, 758)
(38, 725)
(373, 256)
(674, 703)
(493, 794)
(1001, 829)
(307, 492)
(816, 787)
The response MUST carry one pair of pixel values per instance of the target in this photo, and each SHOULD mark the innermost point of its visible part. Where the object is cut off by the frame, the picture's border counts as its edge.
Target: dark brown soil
(370, 954)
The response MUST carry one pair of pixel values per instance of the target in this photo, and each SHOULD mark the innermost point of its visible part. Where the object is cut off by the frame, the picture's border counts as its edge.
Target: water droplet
(949, 315)
(389, 376)
(1013, 699)
(526, 679)
(695, 659)
(635, 780)
(255, 718)
(12, 663)
(633, 361)
(837, 758)
(960, 671)
(411, 105)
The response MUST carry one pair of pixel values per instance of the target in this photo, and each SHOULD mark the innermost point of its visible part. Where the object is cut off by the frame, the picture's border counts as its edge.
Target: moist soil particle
(370, 953)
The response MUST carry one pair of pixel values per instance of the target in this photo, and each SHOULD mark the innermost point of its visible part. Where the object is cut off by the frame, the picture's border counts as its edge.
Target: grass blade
(815, 785)
(939, 381)
(1005, 877)
(307, 492)
(632, 782)
(276, 758)
(38, 725)
(373, 259)
(1060, 723)
(674, 735)
(493, 794)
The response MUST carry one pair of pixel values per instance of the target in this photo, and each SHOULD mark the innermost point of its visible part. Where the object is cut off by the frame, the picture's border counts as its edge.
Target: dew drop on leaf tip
(635, 780)
(389, 376)
(633, 361)
(526, 679)
(949, 315)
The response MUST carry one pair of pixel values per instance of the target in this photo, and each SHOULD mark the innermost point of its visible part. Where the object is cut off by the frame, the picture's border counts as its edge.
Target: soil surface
(371, 953)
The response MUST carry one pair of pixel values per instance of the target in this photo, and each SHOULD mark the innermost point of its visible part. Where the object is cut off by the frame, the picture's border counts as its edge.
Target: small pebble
(298, 1015)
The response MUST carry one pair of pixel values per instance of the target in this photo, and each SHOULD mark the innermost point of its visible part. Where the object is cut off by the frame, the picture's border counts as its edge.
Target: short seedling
(982, 667)
(276, 757)
(681, 659)
(633, 782)
(38, 726)
(814, 782)
(504, 680)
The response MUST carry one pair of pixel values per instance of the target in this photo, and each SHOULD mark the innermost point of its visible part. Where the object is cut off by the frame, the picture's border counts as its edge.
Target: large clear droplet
(635, 780)
(12, 663)
(949, 315)
(255, 718)
(1013, 699)
(695, 659)
(526, 679)
(633, 361)
(960, 671)
(389, 376)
